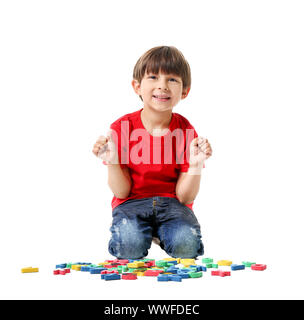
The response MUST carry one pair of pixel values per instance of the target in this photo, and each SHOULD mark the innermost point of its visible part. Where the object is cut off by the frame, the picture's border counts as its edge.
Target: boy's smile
(161, 91)
(161, 97)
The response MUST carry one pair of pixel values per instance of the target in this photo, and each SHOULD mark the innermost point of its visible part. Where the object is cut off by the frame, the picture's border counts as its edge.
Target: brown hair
(165, 59)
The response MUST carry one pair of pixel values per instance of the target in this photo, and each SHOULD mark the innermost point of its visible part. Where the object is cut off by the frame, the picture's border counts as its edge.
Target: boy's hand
(200, 150)
(105, 149)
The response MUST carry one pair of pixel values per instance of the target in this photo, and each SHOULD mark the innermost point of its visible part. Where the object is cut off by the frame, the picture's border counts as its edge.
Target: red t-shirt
(154, 163)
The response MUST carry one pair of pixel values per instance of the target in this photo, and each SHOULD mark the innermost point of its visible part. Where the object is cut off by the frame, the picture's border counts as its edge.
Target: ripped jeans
(136, 222)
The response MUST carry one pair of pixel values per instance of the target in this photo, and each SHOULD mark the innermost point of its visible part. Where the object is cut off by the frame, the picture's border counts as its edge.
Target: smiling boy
(155, 159)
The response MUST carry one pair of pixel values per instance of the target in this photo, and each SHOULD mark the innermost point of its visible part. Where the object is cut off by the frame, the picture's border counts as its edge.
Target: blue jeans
(135, 222)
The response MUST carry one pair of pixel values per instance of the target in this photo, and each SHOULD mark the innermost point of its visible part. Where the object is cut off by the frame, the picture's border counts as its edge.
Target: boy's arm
(188, 183)
(119, 180)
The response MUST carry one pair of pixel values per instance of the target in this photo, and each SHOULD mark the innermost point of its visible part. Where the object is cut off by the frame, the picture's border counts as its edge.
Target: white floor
(279, 281)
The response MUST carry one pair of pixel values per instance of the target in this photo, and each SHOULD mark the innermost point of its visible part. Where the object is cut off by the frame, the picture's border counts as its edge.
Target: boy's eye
(152, 77)
(172, 79)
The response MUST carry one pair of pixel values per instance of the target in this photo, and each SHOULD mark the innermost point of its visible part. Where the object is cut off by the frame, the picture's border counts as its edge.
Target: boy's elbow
(121, 195)
(179, 197)
(184, 200)
(121, 192)
(182, 194)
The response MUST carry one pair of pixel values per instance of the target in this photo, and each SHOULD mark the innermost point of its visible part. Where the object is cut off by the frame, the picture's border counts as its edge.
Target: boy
(154, 159)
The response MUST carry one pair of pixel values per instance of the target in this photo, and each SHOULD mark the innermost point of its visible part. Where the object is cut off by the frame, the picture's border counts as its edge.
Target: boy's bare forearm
(188, 186)
(188, 183)
(118, 181)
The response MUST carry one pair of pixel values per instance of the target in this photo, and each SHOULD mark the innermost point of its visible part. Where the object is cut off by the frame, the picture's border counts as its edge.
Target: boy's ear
(136, 86)
(185, 93)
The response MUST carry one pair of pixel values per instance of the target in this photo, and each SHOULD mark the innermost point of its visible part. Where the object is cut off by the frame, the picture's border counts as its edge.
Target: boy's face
(161, 91)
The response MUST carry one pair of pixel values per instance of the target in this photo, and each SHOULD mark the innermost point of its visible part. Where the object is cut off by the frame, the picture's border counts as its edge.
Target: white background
(65, 75)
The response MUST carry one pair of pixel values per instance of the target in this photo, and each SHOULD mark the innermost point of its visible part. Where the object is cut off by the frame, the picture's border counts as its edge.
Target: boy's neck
(152, 120)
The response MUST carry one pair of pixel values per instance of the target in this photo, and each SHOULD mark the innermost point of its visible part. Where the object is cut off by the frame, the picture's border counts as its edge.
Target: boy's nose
(163, 85)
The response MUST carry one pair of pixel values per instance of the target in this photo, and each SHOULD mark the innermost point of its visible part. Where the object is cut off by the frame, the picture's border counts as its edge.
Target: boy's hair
(165, 59)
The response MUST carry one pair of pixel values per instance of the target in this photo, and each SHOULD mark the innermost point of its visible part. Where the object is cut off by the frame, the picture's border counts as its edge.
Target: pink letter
(143, 145)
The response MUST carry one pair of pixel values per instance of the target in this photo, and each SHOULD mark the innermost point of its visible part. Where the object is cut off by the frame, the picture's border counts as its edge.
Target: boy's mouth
(161, 97)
